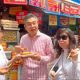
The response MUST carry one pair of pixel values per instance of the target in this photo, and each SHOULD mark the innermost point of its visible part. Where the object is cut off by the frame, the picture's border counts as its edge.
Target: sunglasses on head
(63, 37)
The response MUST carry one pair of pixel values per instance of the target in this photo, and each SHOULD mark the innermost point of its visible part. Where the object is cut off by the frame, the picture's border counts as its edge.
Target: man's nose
(32, 25)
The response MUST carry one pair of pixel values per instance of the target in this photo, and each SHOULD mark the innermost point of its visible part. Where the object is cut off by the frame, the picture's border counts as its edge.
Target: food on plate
(26, 53)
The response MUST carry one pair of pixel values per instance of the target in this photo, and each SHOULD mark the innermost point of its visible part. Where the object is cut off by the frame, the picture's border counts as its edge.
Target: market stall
(10, 39)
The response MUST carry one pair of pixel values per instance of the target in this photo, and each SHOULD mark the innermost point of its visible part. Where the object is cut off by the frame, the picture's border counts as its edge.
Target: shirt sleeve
(4, 57)
(21, 42)
(49, 51)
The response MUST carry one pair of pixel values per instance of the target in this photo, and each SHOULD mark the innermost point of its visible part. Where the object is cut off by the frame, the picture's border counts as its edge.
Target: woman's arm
(16, 57)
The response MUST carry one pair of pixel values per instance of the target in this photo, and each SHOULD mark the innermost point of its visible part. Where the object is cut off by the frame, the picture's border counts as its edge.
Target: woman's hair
(72, 40)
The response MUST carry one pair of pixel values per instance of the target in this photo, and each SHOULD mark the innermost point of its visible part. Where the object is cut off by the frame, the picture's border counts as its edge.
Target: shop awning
(61, 14)
(20, 2)
(74, 1)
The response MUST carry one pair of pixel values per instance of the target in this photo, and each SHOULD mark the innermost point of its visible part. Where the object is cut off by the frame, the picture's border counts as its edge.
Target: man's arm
(49, 52)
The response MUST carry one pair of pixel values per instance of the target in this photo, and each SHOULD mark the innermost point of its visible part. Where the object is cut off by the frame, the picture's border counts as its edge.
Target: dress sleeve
(77, 63)
(76, 66)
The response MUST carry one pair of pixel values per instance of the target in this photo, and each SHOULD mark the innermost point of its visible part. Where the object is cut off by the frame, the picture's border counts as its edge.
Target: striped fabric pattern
(42, 44)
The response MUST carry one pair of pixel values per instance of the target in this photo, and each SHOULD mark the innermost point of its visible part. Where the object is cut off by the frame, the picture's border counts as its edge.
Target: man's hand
(35, 56)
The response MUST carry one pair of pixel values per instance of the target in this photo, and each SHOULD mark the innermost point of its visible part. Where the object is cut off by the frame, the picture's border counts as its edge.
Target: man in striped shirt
(41, 47)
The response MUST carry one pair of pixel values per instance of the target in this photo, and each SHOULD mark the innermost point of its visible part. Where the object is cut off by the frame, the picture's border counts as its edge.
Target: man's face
(31, 26)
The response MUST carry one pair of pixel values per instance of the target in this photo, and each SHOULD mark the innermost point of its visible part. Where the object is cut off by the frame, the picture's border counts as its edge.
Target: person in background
(4, 68)
(68, 56)
(41, 48)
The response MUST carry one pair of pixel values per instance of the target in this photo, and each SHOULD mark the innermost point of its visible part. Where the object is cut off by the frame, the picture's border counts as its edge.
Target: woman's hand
(17, 57)
(52, 75)
(73, 54)
(4, 70)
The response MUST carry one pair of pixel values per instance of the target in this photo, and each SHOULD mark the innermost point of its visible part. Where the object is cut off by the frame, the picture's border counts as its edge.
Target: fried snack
(25, 48)
(26, 53)
(9, 65)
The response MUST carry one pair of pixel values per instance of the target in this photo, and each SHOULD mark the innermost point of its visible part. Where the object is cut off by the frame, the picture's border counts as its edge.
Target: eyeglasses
(63, 37)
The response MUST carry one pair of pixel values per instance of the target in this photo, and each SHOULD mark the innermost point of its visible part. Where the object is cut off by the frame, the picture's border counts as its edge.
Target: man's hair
(30, 15)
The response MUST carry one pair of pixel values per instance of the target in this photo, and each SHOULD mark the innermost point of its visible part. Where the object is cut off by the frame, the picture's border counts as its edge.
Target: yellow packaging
(4, 44)
(26, 53)
(9, 65)
(12, 75)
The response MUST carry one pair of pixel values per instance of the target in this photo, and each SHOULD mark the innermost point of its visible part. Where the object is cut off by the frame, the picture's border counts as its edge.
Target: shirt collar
(37, 35)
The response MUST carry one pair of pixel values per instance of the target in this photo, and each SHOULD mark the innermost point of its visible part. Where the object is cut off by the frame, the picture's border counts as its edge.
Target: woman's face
(63, 41)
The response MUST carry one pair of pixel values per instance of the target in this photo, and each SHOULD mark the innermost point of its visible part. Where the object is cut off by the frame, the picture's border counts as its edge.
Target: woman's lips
(61, 42)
